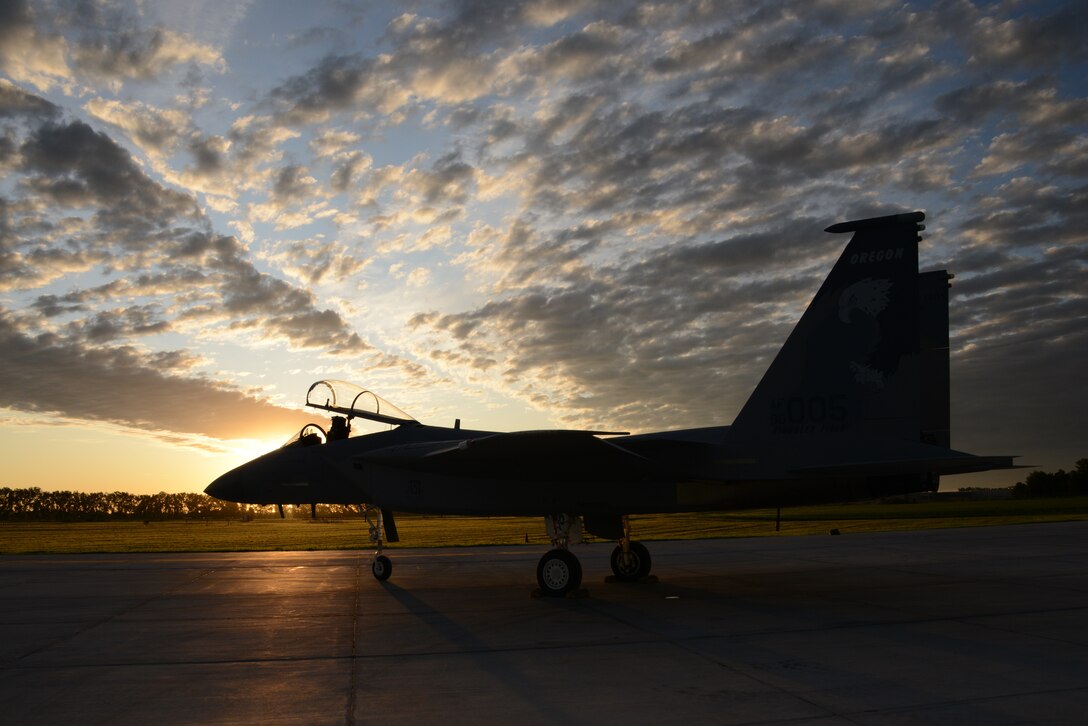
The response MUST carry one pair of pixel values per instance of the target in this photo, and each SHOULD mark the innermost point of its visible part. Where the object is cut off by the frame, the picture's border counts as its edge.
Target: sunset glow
(524, 215)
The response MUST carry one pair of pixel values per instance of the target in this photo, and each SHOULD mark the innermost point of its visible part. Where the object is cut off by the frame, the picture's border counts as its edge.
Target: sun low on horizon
(528, 215)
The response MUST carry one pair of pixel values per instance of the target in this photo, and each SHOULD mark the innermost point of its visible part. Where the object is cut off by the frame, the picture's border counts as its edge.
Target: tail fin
(935, 393)
(853, 361)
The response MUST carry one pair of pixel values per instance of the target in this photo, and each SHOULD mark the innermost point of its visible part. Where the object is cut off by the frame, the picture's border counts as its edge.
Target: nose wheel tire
(558, 573)
(632, 565)
(382, 567)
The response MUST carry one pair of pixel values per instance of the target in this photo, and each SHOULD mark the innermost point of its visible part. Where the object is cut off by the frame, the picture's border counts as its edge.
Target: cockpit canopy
(310, 435)
(352, 401)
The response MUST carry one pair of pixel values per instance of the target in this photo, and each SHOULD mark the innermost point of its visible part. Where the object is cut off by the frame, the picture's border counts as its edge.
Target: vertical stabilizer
(935, 387)
(852, 363)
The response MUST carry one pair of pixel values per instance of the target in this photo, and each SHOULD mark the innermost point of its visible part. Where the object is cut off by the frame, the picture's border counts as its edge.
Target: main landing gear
(630, 560)
(559, 573)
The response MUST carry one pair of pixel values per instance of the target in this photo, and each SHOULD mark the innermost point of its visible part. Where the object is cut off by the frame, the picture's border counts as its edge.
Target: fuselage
(680, 471)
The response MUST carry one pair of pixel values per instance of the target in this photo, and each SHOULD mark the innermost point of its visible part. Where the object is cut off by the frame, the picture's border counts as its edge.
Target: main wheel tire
(558, 573)
(632, 565)
(382, 567)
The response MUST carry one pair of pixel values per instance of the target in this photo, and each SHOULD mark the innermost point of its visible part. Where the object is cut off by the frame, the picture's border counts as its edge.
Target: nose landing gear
(381, 566)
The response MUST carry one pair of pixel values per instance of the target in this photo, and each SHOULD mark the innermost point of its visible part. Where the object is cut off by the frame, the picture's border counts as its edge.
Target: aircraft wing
(521, 454)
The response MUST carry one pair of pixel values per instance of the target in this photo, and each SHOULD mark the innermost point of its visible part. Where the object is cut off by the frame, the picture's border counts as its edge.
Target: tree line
(1060, 483)
(35, 505)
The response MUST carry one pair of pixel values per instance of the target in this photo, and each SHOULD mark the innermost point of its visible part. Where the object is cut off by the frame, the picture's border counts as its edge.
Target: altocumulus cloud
(610, 212)
(81, 201)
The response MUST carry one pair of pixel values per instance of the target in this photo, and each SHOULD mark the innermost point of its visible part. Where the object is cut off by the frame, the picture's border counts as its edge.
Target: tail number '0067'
(802, 414)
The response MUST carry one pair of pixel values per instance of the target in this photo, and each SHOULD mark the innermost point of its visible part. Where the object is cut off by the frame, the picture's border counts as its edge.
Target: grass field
(417, 531)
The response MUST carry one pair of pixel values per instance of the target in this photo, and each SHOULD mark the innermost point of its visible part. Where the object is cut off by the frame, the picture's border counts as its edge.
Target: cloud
(244, 159)
(148, 391)
(1031, 41)
(449, 182)
(60, 44)
(316, 261)
(334, 143)
(975, 103)
(1017, 312)
(651, 230)
(1059, 151)
(338, 83)
(29, 54)
(347, 170)
(15, 103)
(140, 227)
(593, 52)
(74, 165)
(1037, 125)
(140, 54)
(155, 131)
(28, 261)
(582, 341)
(447, 61)
(166, 271)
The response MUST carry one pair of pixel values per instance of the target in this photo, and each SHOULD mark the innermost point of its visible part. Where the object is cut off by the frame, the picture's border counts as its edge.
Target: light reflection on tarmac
(979, 625)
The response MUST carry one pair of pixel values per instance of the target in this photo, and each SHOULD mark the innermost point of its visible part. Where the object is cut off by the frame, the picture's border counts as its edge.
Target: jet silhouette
(854, 406)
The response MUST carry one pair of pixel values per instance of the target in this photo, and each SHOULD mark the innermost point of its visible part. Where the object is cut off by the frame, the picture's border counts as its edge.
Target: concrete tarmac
(978, 625)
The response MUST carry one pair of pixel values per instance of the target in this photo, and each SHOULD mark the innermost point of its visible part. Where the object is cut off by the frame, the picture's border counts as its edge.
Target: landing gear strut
(381, 566)
(559, 571)
(630, 560)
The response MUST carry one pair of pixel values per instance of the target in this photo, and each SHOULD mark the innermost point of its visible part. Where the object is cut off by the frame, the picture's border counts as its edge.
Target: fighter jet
(854, 406)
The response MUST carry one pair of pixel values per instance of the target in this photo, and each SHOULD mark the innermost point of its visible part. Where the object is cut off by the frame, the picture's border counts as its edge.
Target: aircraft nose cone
(230, 487)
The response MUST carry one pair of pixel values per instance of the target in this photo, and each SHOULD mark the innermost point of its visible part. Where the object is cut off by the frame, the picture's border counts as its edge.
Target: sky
(534, 214)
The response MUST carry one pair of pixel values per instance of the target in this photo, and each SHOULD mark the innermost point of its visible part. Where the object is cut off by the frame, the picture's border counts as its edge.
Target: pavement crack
(349, 715)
